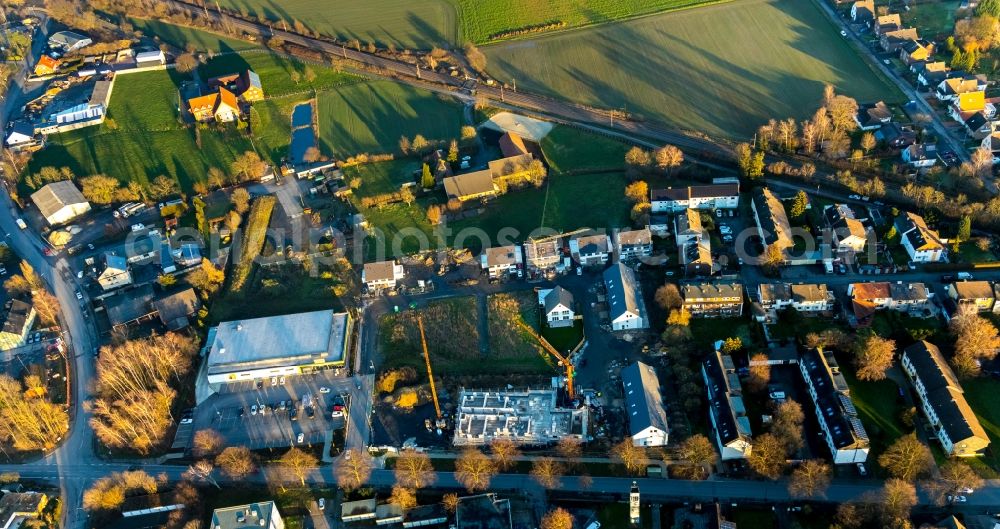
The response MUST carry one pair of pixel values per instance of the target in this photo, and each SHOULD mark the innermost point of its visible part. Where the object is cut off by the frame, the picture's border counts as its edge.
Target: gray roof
(484, 511)
(66, 39)
(556, 296)
(643, 400)
(469, 184)
(55, 196)
(255, 515)
(130, 306)
(944, 392)
(16, 316)
(773, 219)
(177, 305)
(622, 290)
(278, 341)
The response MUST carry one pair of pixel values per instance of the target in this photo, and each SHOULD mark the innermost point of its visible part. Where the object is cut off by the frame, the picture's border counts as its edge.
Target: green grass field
(932, 18)
(276, 73)
(571, 149)
(382, 177)
(405, 23)
(371, 117)
(180, 36)
(982, 396)
(879, 408)
(149, 140)
(720, 69)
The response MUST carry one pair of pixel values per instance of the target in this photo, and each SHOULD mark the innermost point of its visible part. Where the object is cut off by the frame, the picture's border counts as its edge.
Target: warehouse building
(258, 348)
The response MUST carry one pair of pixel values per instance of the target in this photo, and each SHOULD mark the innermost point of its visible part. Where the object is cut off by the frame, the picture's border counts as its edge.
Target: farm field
(149, 140)
(180, 36)
(419, 24)
(371, 117)
(721, 69)
(571, 149)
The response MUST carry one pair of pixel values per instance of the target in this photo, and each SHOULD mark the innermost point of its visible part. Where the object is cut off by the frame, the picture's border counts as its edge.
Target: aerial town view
(500, 264)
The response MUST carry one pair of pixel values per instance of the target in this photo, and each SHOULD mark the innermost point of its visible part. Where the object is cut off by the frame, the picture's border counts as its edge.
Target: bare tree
(760, 373)
(237, 462)
(629, 455)
(907, 458)
(450, 502)
(669, 158)
(557, 518)
(810, 479)
(897, 499)
(571, 449)
(547, 472)
(668, 297)
(476, 58)
(474, 470)
(354, 468)
(787, 425)
(699, 453)
(874, 355)
(300, 463)
(976, 339)
(414, 469)
(201, 470)
(207, 443)
(404, 497)
(954, 476)
(768, 456)
(504, 452)
(241, 200)
(186, 62)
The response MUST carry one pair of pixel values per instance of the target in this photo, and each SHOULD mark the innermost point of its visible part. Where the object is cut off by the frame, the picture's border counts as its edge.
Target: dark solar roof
(833, 399)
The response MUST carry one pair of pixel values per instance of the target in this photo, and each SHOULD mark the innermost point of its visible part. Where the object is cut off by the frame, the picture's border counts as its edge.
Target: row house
(591, 250)
(723, 193)
(726, 409)
(841, 428)
(713, 299)
(979, 296)
(891, 41)
(804, 298)
(868, 298)
(634, 244)
(942, 401)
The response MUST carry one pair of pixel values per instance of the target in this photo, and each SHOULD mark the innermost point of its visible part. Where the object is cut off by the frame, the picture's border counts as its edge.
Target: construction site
(530, 417)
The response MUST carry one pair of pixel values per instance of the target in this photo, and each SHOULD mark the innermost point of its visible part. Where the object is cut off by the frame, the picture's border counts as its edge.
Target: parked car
(274, 381)
(321, 502)
(253, 410)
(301, 438)
(187, 420)
(324, 389)
(138, 226)
(862, 470)
(777, 395)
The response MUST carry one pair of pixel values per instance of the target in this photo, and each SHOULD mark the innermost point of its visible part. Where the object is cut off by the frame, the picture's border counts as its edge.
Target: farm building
(246, 85)
(244, 350)
(60, 202)
(67, 41)
(220, 106)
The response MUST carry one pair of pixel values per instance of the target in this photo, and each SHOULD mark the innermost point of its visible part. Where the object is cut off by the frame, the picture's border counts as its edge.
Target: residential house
(131, 307)
(772, 221)
(659, 225)
(922, 244)
(634, 244)
(114, 272)
(245, 85)
(512, 145)
(626, 309)
(260, 515)
(992, 141)
(60, 202)
(696, 258)
(867, 298)
(16, 508)
(713, 299)
(887, 23)
(966, 105)
(842, 430)
(975, 295)
(175, 310)
(916, 51)
(850, 236)
(809, 298)
(726, 409)
(471, 186)
(957, 83)
(46, 66)
(542, 254)
(863, 12)
(358, 510)
(388, 514)
(425, 515)
(18, 318)
(221, 106)
(21, 133)
(893, 40)
(483, 511)
(68, 41)
(501, 260)
(872, 116)
(913, 298)
(687, 227)
(722, 194)
(591, 250)
(382, 275)
(943, 401)
(920, 155)
(980, 125)
(557, 305)
(930, 73)
(647, 416)
(896, 136)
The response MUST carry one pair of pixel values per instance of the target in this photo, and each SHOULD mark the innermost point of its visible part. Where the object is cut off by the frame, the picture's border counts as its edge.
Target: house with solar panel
(726, 409)
(838, 418)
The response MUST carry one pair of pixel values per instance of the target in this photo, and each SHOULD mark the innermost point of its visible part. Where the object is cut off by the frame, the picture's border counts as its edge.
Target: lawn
(371, 117)
(571, 149)
(405, 23)
(564, 338)
(181, 37)
(878, 407)
(932, 19)
(721, 69)
(969, 252)
(981, 394)
(276, 72)
(270, 121)
(382, 177)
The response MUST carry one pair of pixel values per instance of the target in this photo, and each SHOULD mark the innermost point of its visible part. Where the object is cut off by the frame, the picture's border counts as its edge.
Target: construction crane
(430, 373)
(563, 361)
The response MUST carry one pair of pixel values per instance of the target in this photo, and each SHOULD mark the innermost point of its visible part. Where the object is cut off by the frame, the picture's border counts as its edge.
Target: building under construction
(527, 417)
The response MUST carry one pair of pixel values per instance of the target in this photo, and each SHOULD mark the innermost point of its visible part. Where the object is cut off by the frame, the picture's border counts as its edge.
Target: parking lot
(261, 415)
